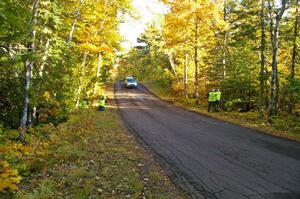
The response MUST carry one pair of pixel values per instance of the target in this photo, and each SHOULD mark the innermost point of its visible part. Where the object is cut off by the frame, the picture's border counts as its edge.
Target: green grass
(92, 156)
(286, 126)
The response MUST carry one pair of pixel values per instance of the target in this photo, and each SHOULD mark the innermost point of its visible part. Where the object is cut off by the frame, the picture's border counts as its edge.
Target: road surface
(210, 158)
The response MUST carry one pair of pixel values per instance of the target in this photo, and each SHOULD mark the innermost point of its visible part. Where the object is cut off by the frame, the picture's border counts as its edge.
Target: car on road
(130, 82)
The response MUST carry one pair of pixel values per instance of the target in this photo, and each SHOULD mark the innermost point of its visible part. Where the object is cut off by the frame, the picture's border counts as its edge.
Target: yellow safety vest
(102, 103)
(212, 96)
(84, 104)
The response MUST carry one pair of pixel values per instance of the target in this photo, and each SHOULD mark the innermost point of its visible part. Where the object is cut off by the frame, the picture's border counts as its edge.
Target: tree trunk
(186, 73)
(44, 58)
(274, 40)
(276, 97)
(72, 31)
(74, 24)
(274, 71)
(98, 73)
(24, 118)
(196, 64)
(28, 72)
(224, 43)
(171, 60)
(292, 73)
(262, 61)
(81, 79)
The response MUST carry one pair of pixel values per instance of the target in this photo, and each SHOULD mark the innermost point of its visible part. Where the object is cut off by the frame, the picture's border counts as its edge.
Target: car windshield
(130, 79)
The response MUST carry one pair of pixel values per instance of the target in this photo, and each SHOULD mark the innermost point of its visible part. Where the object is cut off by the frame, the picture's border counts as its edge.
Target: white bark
(186, 73)
(28, 72)
(224, 57)
(72, 31)
(98, 73)
(74, 24)
(44, 58)
(171, 60)
(274, 40)
(81, 79)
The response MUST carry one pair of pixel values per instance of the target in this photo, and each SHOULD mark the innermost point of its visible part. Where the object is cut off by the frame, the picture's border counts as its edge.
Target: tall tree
(262, 59)
(224, 46)
(274, 29)
(28, 71)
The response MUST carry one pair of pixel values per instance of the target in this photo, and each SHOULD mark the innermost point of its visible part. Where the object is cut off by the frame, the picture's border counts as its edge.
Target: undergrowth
(90, 156)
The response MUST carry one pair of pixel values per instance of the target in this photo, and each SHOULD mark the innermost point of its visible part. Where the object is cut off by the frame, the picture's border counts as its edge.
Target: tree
(294, 52)
(262, 59)
(274, 31)
(28, 72)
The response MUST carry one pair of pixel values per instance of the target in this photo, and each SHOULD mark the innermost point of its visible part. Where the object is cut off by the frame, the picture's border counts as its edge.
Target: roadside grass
(90, 156)
(286, 126)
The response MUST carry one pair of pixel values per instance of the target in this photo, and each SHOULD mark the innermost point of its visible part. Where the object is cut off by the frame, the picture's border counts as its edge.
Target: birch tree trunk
(98, 73)
(74, 24)
(28, 72)
(186, 74)
(292, 73)
(81, 79)
(44, 58)
(72, 31)
(262, 61)
(274, 40)
(171, 60)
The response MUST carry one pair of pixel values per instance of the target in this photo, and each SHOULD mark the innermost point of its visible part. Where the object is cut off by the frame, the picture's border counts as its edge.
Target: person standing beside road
(212, 100)
(218, 100)
(101, 103)
(84, 104)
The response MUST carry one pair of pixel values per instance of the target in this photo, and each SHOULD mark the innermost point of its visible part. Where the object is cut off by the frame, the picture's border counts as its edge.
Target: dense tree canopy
(53, 54)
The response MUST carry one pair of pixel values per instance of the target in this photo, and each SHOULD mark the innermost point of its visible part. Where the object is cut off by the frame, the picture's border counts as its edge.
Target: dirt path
(211, 158)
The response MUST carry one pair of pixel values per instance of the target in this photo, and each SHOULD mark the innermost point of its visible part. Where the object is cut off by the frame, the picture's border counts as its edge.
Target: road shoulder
(248, 120)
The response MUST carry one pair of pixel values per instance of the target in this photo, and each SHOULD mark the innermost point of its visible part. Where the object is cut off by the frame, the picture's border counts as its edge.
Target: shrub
(9, 177)
(285, 122)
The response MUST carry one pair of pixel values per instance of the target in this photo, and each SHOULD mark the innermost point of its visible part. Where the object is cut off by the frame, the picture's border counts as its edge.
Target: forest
(248, 49)
(55, 54)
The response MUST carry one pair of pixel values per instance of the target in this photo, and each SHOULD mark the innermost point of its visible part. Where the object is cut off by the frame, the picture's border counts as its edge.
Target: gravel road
(210, 158)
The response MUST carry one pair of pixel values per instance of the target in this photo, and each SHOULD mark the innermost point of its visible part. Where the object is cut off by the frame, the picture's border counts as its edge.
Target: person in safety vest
(84, 104)
(218, 100)
(101, 103)
(212, 97)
